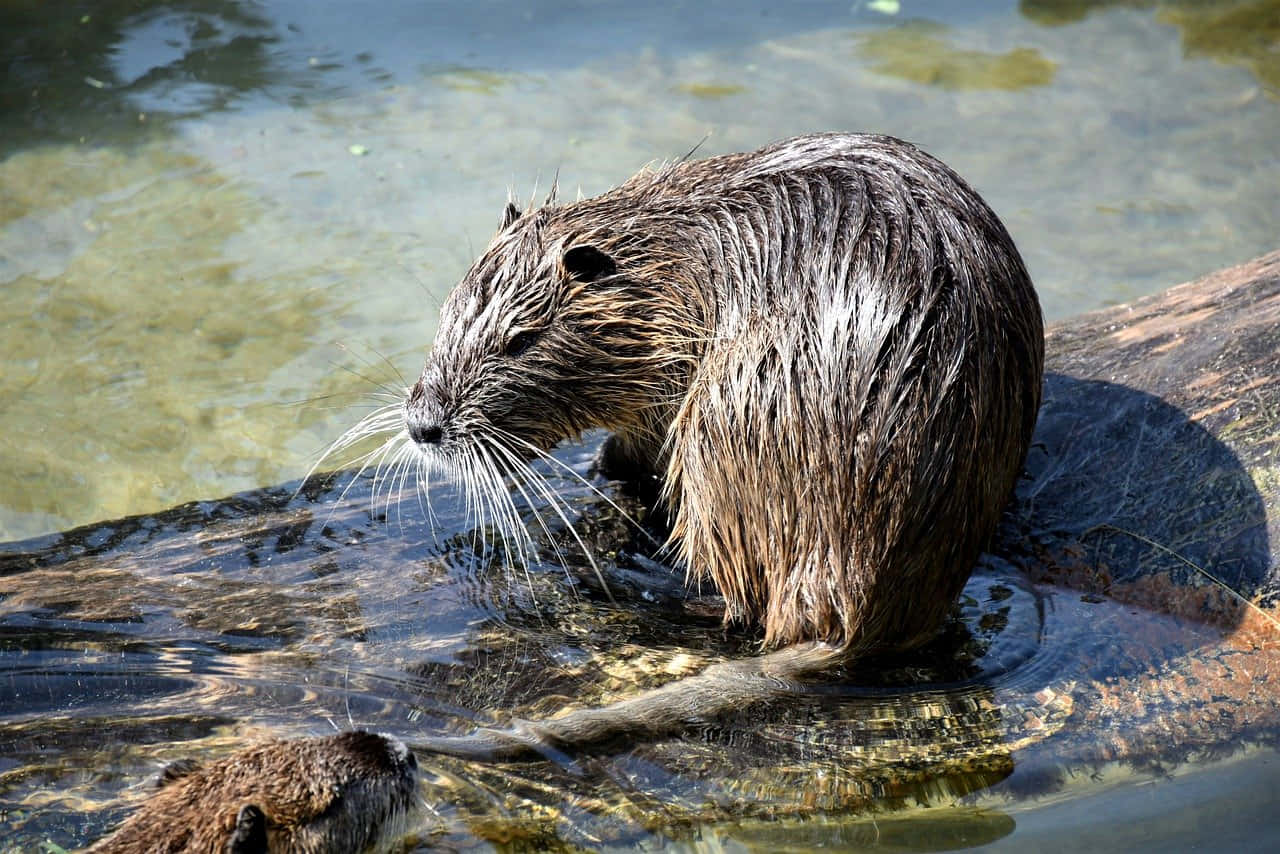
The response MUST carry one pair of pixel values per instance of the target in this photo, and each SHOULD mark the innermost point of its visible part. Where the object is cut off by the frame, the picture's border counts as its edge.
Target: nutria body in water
(340, 793)
(827, 353)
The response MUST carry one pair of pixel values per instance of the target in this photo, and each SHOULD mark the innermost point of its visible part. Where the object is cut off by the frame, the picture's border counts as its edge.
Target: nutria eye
(520, 342)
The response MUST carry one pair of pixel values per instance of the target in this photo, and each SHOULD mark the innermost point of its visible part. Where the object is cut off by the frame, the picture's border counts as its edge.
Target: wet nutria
(827, 352)
(339, 793)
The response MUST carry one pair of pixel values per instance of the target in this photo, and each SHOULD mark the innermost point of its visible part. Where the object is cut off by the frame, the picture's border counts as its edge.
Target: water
(187, 633)
(222, 224)
(199, 279)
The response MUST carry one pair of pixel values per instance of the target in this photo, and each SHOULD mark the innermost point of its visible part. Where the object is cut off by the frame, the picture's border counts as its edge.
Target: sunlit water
(190, 632)
(198, 277)
(221, 225)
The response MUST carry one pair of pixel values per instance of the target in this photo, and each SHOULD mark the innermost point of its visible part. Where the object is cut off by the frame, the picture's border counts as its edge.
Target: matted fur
(329, 795)
(828, 350)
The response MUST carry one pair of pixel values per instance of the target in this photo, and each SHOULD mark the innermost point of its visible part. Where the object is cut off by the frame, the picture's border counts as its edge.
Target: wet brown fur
(335, 794)
(828, 351)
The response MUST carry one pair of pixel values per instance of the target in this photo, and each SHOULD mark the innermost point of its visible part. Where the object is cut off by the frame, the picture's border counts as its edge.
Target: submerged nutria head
(341, 793)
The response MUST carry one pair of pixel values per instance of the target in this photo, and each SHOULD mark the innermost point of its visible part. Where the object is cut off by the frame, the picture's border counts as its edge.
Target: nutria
(826, 352)
(340, 793)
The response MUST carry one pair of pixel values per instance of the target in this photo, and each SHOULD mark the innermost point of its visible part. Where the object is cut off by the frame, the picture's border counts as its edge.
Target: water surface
(199, 276)
(223, 224)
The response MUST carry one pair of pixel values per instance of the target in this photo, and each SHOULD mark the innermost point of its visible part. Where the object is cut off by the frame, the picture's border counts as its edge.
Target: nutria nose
(424, 416)
(424, 433)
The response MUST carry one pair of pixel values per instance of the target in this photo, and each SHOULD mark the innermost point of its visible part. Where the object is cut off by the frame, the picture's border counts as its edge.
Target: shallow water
(188, 633)
(199, 279)
(222, 224)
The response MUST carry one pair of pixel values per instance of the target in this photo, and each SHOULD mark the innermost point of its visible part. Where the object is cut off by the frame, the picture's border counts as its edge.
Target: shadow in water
(1127, 496)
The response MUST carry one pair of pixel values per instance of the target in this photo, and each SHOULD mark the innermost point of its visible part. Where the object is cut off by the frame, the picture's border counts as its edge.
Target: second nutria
(339, 793)
(827, 353)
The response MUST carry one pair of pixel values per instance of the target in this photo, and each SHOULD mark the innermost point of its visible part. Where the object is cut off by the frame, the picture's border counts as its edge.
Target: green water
(199, 278)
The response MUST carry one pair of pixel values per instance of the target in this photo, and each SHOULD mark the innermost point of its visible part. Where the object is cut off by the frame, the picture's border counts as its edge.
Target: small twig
(1200, 569)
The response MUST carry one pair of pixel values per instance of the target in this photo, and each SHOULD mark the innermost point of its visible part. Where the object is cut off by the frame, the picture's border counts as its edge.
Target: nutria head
(339, 793)
(547, 335)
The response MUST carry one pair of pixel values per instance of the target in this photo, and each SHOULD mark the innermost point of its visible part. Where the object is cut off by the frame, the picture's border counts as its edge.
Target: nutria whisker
(364, 460)
(391, 390)
(509, 532)
(423, 492)
(387, 454)
(402, 467)
(375, 458)
(380, 388)
(485, 523)
(341, 400)
(510, 528)
(387, 418)
(557, 505)
(568, 469)
(398, 469)
(496, 515)
(384, 475)
(361, 431)
(560, 508)
(521, 475)
(473, 488)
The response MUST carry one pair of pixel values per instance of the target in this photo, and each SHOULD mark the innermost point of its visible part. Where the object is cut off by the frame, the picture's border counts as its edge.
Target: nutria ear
(250, 834)
(509, 215)
(175, 770)
(587, 263)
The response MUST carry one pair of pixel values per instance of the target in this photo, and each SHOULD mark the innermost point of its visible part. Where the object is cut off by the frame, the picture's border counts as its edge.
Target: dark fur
(341, 793)
(828, 351)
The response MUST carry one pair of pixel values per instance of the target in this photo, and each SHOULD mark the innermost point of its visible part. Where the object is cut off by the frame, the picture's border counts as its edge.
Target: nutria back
(335, 794)
(827, 353)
